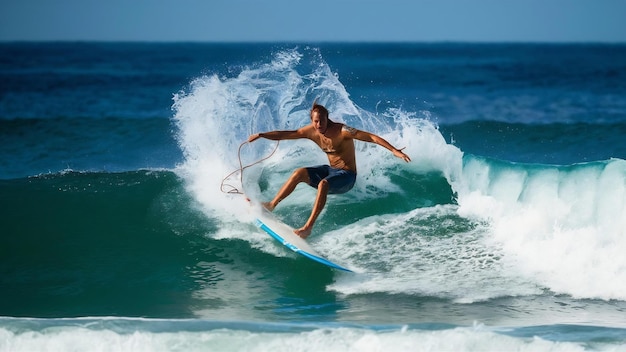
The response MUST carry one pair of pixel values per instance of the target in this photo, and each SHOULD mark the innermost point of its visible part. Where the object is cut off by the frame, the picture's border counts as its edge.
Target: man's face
(319, 122)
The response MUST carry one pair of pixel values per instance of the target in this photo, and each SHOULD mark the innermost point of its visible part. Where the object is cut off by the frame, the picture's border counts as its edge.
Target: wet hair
(320, 109)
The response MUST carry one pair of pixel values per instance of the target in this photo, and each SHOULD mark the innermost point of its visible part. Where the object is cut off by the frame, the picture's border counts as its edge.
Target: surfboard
(283, 233)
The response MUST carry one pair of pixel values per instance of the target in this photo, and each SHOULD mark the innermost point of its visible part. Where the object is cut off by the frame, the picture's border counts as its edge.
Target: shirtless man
(337, 141)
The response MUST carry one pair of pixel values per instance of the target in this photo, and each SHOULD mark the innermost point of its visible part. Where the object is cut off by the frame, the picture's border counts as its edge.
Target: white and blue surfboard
(285, 236)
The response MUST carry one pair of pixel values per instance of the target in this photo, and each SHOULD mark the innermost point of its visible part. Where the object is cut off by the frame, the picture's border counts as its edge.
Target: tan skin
(337, 141)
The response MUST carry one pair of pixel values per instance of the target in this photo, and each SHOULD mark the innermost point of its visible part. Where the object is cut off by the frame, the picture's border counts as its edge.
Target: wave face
(78, 244)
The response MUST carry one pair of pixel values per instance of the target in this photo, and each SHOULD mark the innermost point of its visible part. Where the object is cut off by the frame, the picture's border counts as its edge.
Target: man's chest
(331, 144)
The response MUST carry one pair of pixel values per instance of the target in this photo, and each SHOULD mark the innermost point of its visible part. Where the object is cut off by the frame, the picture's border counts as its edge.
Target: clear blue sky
(321, 20)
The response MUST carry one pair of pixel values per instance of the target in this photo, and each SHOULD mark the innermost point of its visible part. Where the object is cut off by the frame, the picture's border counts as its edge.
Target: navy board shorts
(339, 180)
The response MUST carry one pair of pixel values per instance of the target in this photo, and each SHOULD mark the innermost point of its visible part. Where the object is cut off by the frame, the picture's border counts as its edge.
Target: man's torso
(338, 146)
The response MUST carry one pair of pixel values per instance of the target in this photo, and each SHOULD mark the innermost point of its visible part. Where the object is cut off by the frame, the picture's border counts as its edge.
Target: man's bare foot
(303, 232)
(268, 206)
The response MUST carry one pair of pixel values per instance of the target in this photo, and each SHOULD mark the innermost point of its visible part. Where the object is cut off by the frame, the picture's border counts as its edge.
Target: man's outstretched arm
(372, 138)
(278, 135)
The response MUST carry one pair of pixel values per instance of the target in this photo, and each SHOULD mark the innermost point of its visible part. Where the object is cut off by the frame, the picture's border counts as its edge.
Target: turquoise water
(505, 232)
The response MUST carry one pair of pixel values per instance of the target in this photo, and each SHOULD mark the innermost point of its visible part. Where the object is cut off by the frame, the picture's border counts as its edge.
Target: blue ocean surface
(121, 228)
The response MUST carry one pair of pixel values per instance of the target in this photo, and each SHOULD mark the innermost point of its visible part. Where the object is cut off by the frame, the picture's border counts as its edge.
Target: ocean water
(507, 231)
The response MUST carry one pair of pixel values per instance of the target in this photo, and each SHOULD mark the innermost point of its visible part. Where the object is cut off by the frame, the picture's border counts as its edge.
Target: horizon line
(188, 41)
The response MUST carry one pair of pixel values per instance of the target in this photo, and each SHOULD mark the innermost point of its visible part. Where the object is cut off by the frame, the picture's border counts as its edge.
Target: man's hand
(254, 137)
(398, 153)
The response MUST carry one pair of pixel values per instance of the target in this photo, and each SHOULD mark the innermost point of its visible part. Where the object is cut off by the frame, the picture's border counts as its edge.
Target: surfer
(337, 141)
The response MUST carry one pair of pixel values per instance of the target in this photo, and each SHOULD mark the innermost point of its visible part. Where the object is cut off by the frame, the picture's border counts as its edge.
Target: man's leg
(320, 202)
(299, 175)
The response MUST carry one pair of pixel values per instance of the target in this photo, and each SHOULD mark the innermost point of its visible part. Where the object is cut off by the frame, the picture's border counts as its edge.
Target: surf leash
(232, 189)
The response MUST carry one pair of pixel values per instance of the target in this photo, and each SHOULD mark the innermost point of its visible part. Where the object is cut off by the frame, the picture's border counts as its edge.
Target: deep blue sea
(506, 232)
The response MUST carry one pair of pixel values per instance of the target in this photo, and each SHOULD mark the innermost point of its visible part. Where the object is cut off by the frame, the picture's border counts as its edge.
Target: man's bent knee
(301, 175)
(323, 186)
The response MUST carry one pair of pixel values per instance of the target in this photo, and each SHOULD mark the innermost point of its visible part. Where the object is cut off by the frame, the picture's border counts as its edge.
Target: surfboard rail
(306, 253)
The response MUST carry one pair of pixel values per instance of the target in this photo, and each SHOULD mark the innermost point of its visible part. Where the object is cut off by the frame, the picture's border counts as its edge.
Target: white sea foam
(216, 114)
(425, 252)
(321, 339)
(563, 226)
